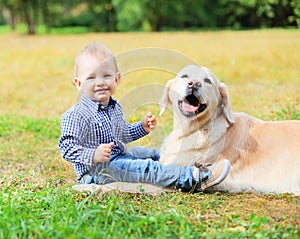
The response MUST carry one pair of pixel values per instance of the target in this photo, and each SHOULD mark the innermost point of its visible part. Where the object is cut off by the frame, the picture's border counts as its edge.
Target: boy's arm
(73, 152)
(133, 132)
(140, 129)
(73, 131)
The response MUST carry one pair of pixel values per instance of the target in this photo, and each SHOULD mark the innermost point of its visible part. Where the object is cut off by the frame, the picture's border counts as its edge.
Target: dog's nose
(194, 84)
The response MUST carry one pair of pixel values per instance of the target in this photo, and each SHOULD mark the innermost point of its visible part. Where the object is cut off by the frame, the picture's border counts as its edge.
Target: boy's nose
(100, 81)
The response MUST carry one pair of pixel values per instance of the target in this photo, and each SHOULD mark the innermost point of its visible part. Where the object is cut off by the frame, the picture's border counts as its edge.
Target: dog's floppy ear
(165, 99)
(226, 104)
(225, 97)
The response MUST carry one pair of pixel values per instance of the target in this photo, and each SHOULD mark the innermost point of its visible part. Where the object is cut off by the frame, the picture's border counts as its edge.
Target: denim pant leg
(142, 152)
(125, 168)
(101, 175)
(98, 175)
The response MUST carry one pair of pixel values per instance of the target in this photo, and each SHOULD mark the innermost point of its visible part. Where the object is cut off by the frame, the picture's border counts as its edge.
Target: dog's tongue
(189, 108)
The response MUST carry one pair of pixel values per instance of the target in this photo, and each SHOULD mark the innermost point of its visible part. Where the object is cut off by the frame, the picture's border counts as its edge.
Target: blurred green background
(39, 16)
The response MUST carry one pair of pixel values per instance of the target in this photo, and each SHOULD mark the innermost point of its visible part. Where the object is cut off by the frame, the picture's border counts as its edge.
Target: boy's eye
(90, 78)
(107, 76)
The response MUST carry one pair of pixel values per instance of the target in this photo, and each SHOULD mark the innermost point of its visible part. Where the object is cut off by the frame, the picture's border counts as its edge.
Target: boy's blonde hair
(98, 51)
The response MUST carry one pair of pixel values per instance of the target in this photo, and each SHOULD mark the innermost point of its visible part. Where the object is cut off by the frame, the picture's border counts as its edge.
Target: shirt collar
(95, 106)
(111, 103)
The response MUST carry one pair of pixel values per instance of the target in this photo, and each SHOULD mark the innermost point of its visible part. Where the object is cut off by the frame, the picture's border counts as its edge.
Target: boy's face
(97, 80)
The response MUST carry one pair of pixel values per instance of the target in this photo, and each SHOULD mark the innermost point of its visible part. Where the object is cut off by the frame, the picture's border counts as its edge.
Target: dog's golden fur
(264, 155)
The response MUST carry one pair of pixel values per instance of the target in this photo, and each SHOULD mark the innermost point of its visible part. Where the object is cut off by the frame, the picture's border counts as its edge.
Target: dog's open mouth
(191, 106)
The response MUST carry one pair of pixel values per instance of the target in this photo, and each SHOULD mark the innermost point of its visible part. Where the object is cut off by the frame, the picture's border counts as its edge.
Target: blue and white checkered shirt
(87, 125)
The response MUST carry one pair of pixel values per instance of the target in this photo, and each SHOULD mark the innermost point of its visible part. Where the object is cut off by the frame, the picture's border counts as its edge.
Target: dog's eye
(184, 76)
(206, 80)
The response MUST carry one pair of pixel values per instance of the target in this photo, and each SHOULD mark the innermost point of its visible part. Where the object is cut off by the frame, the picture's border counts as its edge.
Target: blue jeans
(140, 165)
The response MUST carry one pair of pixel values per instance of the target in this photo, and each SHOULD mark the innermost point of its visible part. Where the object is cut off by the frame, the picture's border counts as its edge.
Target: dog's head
(196, 92)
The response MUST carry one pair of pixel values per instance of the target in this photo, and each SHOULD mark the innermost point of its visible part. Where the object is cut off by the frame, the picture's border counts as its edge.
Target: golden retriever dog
(264, 155)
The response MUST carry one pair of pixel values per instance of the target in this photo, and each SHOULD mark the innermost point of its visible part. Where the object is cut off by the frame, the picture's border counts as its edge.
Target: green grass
(37, 201)
(41, 30)
(261, 70)
(32, 211)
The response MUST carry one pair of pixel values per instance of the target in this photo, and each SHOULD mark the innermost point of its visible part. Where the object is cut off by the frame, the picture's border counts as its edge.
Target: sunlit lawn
(261, 70)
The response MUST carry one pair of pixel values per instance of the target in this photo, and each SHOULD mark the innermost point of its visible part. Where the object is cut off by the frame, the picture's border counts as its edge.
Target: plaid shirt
(87, 125)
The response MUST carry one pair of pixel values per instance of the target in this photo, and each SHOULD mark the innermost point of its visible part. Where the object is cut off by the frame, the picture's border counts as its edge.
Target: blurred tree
(30, 13)
(260, 13)
(104, 15)
(159, 12)
(55, 13)
(295, 4)
(13, 8)
(152, 15)
(130, 14)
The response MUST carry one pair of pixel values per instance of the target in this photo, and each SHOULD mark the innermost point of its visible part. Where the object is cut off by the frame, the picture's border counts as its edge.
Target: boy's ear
(118, 77)
(77, 83)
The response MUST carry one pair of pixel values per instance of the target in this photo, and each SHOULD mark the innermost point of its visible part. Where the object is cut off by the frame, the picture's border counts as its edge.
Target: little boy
(94, 134)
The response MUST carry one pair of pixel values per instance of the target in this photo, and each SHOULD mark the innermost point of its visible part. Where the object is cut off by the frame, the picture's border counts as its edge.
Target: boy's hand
(149, 122)
(102, 153)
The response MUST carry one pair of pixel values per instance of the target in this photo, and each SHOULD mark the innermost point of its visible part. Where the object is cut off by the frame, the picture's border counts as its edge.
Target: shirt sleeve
(73, 131)
(126, 132)
(132, 132)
